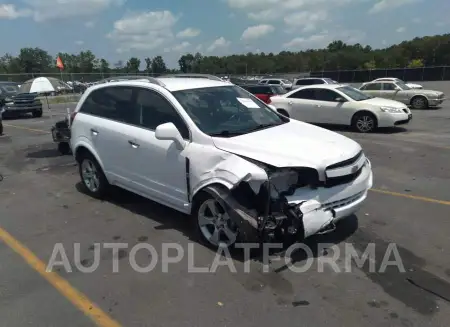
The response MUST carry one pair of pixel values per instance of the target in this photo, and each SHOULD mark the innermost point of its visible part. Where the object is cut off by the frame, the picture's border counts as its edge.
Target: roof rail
(193, 75)
(149, 79)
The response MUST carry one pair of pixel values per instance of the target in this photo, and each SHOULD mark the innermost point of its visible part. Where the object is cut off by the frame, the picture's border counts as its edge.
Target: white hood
(380, 102)
(294, 144)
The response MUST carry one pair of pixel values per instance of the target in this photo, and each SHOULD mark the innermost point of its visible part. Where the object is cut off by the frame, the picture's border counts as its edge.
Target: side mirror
(169, 132)
(341, 100)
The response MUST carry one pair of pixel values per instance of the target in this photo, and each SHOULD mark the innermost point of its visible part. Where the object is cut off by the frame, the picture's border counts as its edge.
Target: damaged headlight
(287, 180)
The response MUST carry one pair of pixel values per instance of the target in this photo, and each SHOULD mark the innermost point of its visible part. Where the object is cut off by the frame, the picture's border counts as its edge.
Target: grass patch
(60, 99)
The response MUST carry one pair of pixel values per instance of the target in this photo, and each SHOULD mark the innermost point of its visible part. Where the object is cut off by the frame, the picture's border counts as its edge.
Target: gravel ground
(41, 204)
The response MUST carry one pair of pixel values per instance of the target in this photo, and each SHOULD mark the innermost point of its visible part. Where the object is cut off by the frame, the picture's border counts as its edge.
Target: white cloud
(181, 47)
(79, 42)
(324, 38)
(256, 32)
(43, 10)
(89, 24)
(221, 42)
(383, 5)
(143, 31)
(9, 11)
(307, 21)
(188, 33)
(401, 29)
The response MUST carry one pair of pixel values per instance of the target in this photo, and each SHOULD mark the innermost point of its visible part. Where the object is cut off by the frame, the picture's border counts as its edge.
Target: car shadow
(381, 130)
(46, 151)
(170, 219)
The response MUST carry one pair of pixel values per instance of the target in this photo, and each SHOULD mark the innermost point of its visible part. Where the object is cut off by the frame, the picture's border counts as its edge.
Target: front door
(372, 89)
(328, 109)
(158, 166)
(389, 90)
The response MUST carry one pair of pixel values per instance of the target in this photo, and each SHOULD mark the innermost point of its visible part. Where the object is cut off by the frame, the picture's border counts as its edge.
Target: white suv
(211, 149)
(287, 85)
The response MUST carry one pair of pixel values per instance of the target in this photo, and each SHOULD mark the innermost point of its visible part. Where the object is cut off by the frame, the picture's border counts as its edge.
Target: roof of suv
(171, 84)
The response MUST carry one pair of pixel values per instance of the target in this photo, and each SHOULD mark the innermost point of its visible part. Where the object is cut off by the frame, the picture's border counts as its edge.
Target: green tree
(158, 65)
(416, 63)
(133, 65)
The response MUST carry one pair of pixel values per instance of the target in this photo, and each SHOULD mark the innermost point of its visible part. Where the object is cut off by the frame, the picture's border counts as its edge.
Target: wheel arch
(364, 111)
(83, 148)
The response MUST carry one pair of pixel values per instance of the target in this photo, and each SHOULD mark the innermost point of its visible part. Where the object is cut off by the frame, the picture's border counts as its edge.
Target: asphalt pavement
(42, 204)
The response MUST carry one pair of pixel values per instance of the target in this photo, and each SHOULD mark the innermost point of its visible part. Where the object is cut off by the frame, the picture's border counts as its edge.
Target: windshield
(403, 86)
(353, 93)
(227, 111)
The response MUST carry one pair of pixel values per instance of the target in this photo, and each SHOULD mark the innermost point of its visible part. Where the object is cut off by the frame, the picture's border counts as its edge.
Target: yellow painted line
(28, 129)
(412, 197)
(78, 299)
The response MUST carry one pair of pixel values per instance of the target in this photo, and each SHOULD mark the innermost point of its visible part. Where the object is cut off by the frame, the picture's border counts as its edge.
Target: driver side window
(389, 87)
(326, 95)
(156, 110)
(307, 94)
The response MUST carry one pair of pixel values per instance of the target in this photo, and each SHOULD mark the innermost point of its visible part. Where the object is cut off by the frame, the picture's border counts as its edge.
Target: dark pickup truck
(14, 104)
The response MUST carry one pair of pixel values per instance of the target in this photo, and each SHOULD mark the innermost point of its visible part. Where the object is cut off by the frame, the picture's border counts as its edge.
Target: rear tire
(283, 112)
(419, 102)
(92, 176)
(364, 122)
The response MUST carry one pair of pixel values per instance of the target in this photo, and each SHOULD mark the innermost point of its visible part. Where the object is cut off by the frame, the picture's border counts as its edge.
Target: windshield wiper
(226, 134)
(262, 126)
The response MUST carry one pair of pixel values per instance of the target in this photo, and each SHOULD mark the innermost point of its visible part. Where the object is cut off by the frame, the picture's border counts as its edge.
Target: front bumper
(435, 102)
(344, 199)
(22, 109)
(394, 119)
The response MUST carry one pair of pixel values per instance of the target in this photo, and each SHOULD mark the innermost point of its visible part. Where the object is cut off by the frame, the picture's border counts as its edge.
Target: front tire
(213, 224)
(37, 113)
(419, 102)
(92, 176)
(364, 122)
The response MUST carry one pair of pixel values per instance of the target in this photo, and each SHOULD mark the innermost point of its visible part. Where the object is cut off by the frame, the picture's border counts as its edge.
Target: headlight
(391, 110)
(9, 99)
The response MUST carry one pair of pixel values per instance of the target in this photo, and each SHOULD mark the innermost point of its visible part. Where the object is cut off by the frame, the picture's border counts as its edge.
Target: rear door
(105, 117)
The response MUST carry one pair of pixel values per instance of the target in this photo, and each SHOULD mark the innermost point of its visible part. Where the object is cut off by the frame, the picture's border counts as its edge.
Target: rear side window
(115, 103)
(274, 81)
(307, 94)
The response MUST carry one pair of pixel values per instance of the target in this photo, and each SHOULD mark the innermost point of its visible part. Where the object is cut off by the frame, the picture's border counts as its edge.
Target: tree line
(419, 52)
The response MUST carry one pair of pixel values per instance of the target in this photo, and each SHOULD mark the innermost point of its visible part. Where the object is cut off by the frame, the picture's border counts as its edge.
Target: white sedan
(341, 105)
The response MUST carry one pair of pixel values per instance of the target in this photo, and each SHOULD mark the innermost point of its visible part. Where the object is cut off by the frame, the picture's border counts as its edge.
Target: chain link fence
(441, 73)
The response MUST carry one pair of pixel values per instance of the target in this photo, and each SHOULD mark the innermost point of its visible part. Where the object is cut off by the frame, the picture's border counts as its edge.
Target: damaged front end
(267, 215)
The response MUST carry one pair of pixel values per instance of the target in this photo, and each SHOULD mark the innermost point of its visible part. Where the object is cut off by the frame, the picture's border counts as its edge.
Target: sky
(119, 29)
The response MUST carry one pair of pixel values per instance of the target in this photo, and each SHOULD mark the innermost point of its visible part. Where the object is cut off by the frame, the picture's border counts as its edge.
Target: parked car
(341, 105)
(300, 82)
(264, 92)
(206, 148)
(14, 104)
(416, 98)
(393, 79)
(287, 85)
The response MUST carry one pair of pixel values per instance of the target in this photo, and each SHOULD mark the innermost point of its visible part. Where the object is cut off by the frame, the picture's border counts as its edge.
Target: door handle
(133, 144)
(290, 102)
(93, 131)
(318, 106)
